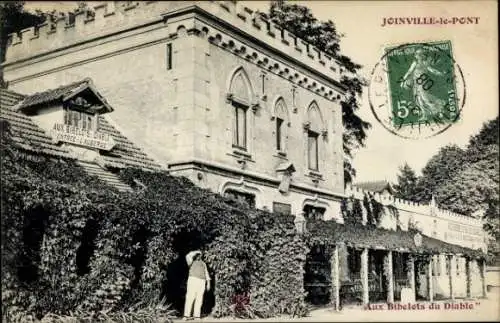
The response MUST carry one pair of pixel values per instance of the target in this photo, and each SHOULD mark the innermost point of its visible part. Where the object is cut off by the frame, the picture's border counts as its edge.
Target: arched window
(242, 197)
(240, 95)
(281, 124)
(314, 127)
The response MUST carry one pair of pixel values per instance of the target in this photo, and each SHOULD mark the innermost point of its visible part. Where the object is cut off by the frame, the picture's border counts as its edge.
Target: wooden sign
(81, 137)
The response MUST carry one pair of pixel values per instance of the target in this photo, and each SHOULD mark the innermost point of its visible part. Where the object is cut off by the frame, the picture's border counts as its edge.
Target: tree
(14, 18)
(406, 188)
(484, 145)
(440, 169)
(300, 21)
(466, 180)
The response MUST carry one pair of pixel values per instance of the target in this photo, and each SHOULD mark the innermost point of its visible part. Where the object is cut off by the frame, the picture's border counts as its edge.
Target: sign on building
(78, 136)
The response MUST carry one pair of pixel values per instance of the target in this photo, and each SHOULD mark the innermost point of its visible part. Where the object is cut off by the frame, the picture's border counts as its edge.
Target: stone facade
(174, 70)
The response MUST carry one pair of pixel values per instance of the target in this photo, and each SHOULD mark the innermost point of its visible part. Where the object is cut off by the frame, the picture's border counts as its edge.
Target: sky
(475, 49)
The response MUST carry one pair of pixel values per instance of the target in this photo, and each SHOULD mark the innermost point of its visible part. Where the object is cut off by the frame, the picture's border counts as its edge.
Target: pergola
(366, 238)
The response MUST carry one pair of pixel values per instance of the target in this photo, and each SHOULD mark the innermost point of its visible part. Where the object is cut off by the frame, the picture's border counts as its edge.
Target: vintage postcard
(216, 161)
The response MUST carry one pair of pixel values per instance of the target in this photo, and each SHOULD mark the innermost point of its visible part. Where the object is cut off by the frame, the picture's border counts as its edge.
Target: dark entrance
(420, 272)
(351, 286)
(400, 270)
(176, 274)
(377, 281)
(317, 282)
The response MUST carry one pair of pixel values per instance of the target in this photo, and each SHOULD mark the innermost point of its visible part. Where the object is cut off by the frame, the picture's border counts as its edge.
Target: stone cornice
(268, 58)
(258, 177)
(311, 66)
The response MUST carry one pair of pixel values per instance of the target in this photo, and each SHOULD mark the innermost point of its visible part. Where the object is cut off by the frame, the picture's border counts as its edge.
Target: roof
(125, 153)
(375, 186)
(64, 92)
(377, 238)
(27, 135)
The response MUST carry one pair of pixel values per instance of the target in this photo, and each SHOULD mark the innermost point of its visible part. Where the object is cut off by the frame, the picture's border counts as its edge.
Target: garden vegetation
(74, 247)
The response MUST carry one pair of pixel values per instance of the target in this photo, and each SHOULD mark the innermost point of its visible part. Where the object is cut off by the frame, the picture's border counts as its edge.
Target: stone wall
(451, 227)
(181, 115)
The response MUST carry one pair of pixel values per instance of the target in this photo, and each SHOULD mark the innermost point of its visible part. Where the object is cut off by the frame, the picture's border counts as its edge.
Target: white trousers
(194, 295)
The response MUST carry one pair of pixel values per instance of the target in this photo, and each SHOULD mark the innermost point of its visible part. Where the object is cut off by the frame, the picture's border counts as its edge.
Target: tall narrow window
(279, 134)
(169, 56)
(240, 127)
(263, 84)
(281, 118)
(312, 150)
(240, 97)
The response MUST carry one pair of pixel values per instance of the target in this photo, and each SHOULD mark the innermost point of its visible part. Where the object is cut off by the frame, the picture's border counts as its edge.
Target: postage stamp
(417, 90)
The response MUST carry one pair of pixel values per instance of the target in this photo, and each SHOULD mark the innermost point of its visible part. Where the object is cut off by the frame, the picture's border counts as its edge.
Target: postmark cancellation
(417, 90)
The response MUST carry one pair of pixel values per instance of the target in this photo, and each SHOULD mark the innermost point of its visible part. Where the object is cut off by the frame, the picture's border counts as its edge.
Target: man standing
(198, 280)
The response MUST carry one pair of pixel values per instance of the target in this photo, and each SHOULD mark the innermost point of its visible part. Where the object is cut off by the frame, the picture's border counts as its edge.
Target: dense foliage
(352, 211)
(324, 35)
(461, 180)
(71, 244)
(406, 186)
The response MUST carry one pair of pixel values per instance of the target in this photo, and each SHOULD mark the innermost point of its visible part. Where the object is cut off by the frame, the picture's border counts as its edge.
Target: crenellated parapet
(236, 25)
(410, 206)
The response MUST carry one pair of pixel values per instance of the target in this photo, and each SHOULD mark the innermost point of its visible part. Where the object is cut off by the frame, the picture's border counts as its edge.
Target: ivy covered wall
(71, 243)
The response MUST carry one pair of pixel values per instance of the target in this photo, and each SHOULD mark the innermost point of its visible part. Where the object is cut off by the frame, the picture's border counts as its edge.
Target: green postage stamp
(421, 82)
(419, 85)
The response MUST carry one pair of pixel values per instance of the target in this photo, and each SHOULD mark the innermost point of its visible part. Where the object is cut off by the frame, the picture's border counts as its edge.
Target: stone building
(215, 92)
(212, 90)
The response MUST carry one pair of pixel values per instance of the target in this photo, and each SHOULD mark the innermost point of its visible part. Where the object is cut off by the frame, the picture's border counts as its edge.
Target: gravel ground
(482, 310)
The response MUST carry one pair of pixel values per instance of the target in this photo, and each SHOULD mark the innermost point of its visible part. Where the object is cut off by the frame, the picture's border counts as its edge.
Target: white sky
(475, 50)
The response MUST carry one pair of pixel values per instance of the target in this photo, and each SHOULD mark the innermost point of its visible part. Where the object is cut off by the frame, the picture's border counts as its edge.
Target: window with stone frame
(314, 126)
(281, 126)
(282, 208)
(314, 212)
(240, 125)
(242, 197)
(240, 95)
(312, 150)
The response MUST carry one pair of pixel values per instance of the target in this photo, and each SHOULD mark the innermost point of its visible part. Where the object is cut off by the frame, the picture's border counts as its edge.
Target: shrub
(134, 237)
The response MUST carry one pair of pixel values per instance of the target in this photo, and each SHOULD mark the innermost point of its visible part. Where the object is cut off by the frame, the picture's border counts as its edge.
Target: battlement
(117, 16)
(410, 206)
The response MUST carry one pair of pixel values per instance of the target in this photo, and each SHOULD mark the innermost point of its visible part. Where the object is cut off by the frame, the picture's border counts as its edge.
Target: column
(452, 274)
(364, 276)
(482, 270)
(335, 278)
(468, 276)
(388, 273)
(411, 275)
(430, 279)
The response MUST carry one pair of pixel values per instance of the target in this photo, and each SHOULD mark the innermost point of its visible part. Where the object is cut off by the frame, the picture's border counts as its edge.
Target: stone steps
(106, 176)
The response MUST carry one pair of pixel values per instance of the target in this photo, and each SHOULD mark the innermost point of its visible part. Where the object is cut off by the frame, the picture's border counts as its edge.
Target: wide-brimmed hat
(190, 255)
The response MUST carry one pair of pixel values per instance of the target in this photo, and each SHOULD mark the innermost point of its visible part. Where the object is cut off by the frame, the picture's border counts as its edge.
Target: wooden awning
(359, 236)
